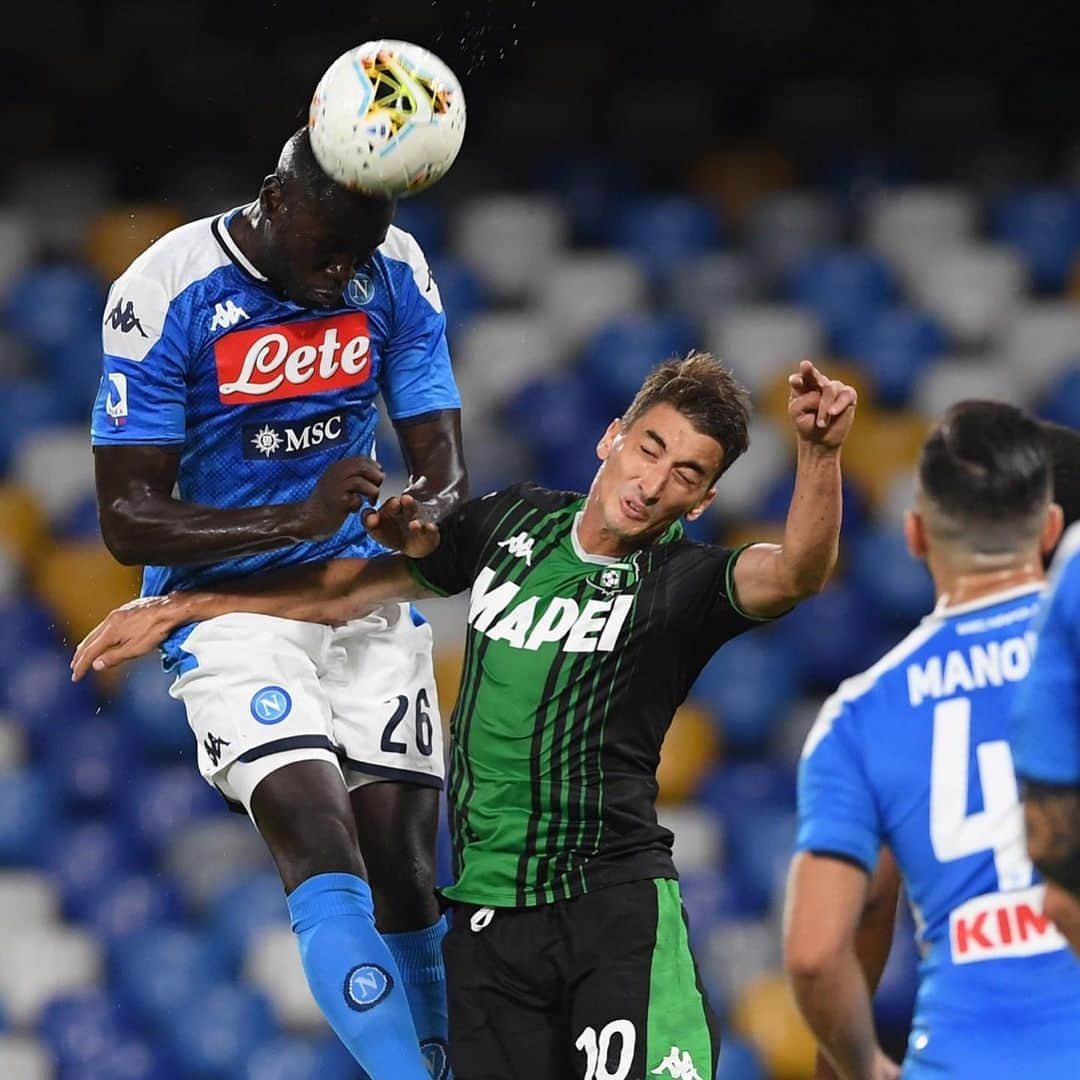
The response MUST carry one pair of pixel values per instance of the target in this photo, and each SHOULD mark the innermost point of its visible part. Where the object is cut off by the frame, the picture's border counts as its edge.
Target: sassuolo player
(590, 618)
(243, 357)
(914, 754)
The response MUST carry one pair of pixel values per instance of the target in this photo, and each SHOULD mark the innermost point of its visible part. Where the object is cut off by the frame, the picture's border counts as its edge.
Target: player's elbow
(121, 535)
(808, 957)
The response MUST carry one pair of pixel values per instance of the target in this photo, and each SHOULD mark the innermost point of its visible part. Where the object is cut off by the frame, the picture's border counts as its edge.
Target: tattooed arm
(1052, 817)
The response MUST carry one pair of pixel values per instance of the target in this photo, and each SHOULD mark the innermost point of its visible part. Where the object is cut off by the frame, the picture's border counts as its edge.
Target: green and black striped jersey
(574, 667)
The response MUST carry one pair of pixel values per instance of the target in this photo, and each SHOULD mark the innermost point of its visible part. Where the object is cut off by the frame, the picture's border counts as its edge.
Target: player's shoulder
(527, 494)
(407, 267)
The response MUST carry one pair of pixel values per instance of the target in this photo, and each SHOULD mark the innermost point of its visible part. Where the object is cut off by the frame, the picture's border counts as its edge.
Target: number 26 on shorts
(421, 723)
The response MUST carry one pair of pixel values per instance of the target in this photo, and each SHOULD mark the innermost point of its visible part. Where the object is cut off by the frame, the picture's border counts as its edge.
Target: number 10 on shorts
(620, 1035)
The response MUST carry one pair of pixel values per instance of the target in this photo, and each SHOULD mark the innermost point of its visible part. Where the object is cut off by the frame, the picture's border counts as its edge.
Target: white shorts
(265, 692)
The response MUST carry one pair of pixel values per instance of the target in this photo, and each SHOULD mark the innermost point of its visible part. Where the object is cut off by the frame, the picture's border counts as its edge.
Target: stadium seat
(512, 241)
(84, 858)
(132, 902)
(461, 290)
(156, 722)
(49, 306)
(27, 898)
(973, 290)
(621, 354)
(61, 196)
(842, 285)
(272, 966)
(1041, 342)
(12, 746)
(29, 812)
(860, 171)
(56, 463)
(160, 968)
(131, 1058)
(690, 748)
(738, 1061)
(17, 244)
(1044, 227)
(784, 228)
(243, 909)
(578, 293)
(698, 837)
(1061, 400)
(22, 524)
(759, 845)
(425, 220)
(875, 453)
(41, 963)
(588, 186)
(736, 952)
(760, 341)
(774, 502)
(738, 177)
(905, 225)
(10, 573)
(293, 1057)
(662, 232)
(894, 345)
(209, 855)
(766, 1016)
(78, 1027)
(25, 1058)
(707, 286)
(556, 414)
(498, 353)
(118, 235)
(213, 1036)
(896, 583)
(167, 799)
(747, 684)
(39, 691)
(33, 405)
(950, 380)
(93, 762)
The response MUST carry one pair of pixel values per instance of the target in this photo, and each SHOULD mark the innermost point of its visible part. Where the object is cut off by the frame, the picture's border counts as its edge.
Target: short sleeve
(1045, 733)
(452, 567)
(837, 810)
(142, 396)
(721, 617)
(417, 377)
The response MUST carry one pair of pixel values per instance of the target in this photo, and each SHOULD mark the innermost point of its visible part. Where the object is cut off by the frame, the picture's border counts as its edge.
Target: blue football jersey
(1046, 713)
(256, 393)
(914, 754)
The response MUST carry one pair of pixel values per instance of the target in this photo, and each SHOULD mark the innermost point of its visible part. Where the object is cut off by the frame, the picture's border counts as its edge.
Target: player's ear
(271, 195)
(1053, 527)
(696, 512)
(603, 447)
(915, 534)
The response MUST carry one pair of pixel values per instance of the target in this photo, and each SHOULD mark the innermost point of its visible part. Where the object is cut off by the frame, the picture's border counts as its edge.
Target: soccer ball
(387, 119)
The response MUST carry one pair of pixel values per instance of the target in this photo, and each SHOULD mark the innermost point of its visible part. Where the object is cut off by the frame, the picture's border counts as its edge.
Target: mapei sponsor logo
(273, 439)
(274, 363)
(226, 316)
(1003, 924)
(594, 627)
(678, 1064)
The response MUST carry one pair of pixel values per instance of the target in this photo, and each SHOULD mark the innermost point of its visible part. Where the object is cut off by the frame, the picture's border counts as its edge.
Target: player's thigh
(638, 1008)
(384, 706)
(504, 995)
(253, 698)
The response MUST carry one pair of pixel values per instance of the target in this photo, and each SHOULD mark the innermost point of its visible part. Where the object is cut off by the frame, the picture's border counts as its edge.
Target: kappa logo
(366, 985)
(678, 1064)
(520, 546)
(226, 316)
(123, 318)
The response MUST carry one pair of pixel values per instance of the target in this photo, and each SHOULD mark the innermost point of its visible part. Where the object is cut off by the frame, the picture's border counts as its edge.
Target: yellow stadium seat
(82, 583)
(766, 1015)
(772, 402)
(119, 235)
(736, 177)
(22, 525)
(875, 452)
(690, 749)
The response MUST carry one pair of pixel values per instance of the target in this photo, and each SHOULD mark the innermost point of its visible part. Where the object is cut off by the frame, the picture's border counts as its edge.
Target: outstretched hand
(397, 524)
(821, 408)
(125, 633)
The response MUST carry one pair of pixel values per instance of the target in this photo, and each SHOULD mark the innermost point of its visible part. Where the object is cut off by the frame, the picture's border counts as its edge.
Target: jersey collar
(944, 611)
(220, 229)
(673, 532)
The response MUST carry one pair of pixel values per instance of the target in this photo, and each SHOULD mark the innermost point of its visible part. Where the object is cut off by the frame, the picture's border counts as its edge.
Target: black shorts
(600, 987)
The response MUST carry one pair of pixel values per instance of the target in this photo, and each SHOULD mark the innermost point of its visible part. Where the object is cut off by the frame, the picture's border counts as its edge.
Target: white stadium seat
(206, 855)
(23, 1058)
(41, 963)
(17, 241)
(761, 340)
(27, 899)
(709, 284)
(510, 240)
(272, 965)
(905, 223)
(579, 293)
(951, 380)
(736, 952)
(784, 228)
(1042, 341)
(12, 744)
(698, 837)
(54, 464)
(771, 453)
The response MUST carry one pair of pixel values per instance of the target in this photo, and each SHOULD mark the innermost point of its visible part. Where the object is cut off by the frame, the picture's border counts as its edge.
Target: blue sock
(420, 960)
(353, 976)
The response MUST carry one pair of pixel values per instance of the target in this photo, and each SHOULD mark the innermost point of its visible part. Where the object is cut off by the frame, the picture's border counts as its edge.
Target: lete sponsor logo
(273, 363)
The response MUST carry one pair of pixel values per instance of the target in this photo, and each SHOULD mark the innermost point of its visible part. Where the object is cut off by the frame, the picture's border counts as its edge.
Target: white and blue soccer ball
(387, 119)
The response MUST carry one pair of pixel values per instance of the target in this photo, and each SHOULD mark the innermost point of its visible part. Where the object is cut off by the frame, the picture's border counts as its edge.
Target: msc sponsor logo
(1002, 924)
(274, 363)
(366, 985)
(271, 705)
(593, 627)
(293, 438)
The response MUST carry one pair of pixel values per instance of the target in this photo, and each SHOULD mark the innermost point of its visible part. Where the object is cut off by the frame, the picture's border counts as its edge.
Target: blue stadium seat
(80, 522)
(78, 1027)
(51, 306)
(572, 466)
(94, 763)
(749, 683)
(552, 414)
(166, 799)
(738, 1061)
(894, 345)
(588, 187)
(616, 361)
(664, 231)
(777, 498)
(746, 785)
(160, 968)
(1061, 402)
(295, 1058)
(128, 1058)
(39, 691)
(857, 173)
(1044, 226)
(29, 814)
(463, 293)
(84, 858)
(425, 219)
(132, 902)
(759, 848)
(242, 910)
(213, 1037)
(881, 567)
(157, 722)
(75, 372)
(842, 285)
(26, 625)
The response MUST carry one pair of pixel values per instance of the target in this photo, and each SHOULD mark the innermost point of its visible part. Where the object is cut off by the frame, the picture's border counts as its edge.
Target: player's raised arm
(770, 578)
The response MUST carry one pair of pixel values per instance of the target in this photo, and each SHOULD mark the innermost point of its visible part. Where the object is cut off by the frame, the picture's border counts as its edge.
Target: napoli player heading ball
(243, 357)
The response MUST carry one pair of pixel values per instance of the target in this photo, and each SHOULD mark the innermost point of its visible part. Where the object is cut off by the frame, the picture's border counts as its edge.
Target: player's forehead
(336, 223)
(665, 423)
